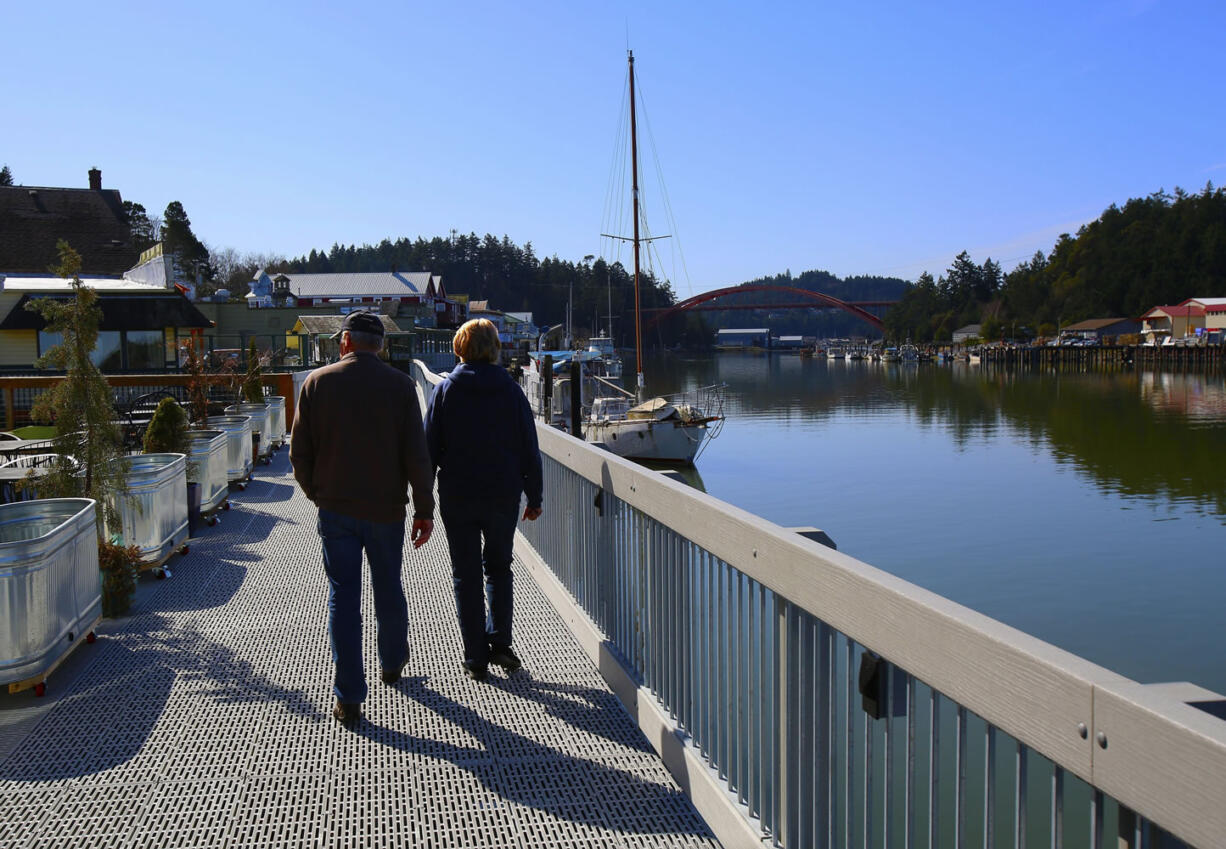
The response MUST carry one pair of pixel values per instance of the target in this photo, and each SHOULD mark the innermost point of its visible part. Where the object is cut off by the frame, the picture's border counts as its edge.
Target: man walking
(357, 445)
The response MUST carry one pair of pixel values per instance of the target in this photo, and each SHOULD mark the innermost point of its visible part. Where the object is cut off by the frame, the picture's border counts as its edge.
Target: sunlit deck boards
(204, 719)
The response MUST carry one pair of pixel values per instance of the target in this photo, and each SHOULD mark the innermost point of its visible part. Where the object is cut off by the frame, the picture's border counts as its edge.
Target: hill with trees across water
(1154, 251)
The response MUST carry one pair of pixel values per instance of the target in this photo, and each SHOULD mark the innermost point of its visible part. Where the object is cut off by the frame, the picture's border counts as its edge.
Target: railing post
(785, 826)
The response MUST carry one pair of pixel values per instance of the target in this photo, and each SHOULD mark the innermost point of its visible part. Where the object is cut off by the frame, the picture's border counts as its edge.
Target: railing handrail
(282, 381)
(1139, 743)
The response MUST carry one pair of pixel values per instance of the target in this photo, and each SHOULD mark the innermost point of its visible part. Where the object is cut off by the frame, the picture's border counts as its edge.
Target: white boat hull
(669, 440)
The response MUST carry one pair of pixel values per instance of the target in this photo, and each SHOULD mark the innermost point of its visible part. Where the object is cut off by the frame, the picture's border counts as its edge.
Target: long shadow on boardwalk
(534, 775)
(113, 717)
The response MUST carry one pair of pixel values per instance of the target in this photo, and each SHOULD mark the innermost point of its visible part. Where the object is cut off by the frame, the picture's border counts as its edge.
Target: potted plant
(167, 431)
(82, 408)
(167, 434)
(253, 404)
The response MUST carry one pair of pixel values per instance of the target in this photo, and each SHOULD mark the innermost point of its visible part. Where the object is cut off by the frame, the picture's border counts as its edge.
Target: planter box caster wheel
(91, 638)
(183, 551)
(225, 506)
(161, 574)
(40, 689)
(213, 520)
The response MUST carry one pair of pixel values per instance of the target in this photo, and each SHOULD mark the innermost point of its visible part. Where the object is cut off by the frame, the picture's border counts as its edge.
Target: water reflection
(1086, 509)
(1139, 434)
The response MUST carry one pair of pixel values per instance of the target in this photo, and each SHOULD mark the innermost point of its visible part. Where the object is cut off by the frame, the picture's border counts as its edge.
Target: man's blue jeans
(480, 537)
(344, 539)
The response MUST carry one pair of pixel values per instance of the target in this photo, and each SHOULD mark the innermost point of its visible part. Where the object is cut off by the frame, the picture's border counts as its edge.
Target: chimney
(95, 179)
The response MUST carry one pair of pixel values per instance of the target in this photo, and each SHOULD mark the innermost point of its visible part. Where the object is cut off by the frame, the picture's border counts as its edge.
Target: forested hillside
(1153, 251)
(513, 279)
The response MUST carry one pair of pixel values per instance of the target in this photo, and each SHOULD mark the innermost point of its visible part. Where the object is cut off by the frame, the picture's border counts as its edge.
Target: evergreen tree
(80, 406)
(179, 240)
(143, 235)
(6, 176)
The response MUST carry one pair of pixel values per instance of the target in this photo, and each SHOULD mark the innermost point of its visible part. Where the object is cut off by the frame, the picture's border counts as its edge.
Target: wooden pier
(1108, 357)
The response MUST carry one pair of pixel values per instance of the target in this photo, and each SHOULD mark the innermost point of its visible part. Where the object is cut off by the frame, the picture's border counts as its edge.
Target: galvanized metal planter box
(261, 425)
(50, 588)
(153, 510)
(277, 403)
(238, 445)
(206, 465)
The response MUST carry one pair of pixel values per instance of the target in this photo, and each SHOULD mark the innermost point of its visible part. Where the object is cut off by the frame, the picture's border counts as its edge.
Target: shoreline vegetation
(1152, 251)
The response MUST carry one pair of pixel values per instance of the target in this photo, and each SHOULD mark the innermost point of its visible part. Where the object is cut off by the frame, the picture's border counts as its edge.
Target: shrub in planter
(120, 566)
(167, 434)
(167, 431)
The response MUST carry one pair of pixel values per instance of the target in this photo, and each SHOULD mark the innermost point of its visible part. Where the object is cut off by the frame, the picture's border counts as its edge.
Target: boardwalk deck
(203, 719)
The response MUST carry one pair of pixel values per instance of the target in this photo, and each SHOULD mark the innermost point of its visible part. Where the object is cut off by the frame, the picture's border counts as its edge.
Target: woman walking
(482, 441)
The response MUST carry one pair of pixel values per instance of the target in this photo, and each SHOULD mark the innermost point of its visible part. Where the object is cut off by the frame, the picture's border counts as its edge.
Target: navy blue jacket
(482, 437)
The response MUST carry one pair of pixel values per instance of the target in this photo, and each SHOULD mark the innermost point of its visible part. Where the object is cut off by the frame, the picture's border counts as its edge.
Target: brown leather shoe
(391, 676)
(347, 712)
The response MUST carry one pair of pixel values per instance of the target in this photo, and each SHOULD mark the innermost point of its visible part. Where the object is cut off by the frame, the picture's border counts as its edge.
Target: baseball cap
(360, 322)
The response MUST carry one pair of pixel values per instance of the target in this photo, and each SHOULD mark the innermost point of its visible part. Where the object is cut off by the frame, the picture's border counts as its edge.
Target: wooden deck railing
(17, 393)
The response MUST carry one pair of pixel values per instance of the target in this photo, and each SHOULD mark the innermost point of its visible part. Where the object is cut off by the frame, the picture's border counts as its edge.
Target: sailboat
(667, 428)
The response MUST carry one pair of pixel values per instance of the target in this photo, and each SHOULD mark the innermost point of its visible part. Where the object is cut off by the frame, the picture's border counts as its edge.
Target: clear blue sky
(878, 138)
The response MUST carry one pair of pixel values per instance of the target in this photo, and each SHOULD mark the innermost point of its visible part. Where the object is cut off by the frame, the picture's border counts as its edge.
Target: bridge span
(806, 300)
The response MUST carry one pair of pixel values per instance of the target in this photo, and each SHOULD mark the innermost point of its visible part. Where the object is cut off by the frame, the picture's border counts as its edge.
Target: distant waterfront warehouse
(740, 339)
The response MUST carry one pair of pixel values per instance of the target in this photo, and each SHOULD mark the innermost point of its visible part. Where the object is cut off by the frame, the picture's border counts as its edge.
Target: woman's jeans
(344, 539)
(480, 535)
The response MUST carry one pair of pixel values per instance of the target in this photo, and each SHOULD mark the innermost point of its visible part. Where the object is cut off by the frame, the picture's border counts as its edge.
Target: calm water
(1086, 509)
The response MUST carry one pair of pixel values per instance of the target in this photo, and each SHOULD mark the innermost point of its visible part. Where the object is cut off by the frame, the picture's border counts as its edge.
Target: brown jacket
(358, 441)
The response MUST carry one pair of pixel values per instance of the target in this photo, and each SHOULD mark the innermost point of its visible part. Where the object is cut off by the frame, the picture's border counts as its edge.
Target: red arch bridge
(807, 300)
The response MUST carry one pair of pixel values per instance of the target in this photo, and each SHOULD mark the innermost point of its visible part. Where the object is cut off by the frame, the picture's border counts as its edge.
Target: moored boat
(669, 428)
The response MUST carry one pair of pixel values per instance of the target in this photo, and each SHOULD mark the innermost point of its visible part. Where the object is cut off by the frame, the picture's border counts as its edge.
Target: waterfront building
(969, 331)
(1094, 329)
(792, 343)
(371, 289)
(1174, 322)
(141, 322)
(757, 337)
(1215, 311)
(514, 328)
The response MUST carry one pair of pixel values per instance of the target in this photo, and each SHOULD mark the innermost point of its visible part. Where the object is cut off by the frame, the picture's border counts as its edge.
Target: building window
(118, 350)
(145, 349)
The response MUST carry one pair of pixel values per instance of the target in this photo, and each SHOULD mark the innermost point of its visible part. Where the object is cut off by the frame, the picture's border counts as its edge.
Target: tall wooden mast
(634, 177)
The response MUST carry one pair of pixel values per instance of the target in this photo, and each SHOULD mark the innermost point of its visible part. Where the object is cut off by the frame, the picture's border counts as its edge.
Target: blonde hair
(477, 341)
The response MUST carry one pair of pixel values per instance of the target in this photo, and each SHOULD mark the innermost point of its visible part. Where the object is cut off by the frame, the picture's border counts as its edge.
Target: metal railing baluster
(1020, 808)
(1057, 808)
(934, 767)
(960, 778)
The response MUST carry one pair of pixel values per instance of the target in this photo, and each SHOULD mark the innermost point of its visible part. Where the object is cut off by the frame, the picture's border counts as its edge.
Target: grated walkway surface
(203, 719)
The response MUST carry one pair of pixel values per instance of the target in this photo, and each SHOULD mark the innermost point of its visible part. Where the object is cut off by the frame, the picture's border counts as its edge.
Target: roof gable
(1096, 323)
(1175, 311)
(34, 218)
(328, 325)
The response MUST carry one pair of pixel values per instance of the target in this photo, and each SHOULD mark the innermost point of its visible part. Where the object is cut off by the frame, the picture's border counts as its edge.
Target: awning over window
(119, 312)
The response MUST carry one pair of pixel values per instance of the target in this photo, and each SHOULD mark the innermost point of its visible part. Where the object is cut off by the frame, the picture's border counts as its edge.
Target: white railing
(756, 647)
